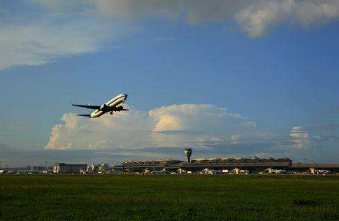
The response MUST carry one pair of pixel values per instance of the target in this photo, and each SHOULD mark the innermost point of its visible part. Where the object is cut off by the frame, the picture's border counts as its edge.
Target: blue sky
(256, 80)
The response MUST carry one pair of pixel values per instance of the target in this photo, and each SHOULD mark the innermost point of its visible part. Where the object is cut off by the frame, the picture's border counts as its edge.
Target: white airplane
(110, 106)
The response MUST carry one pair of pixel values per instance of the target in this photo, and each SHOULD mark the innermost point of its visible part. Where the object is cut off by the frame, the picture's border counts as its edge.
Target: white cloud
(299, 133)
(59, 33)
(257, 18)
(254, 17)
(41, 43)
(66, 28)
(301, 137)
(170, 126)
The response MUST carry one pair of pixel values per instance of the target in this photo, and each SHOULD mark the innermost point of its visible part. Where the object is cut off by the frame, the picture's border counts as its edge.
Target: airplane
(114, 105)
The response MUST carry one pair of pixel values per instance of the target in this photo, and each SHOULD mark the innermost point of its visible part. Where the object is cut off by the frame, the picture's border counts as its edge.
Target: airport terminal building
(250, 164)
(69, 168)
(229, 164)
(226, 165)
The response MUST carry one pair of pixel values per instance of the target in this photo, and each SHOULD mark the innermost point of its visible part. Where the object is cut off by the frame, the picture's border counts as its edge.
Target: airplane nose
(125, 96)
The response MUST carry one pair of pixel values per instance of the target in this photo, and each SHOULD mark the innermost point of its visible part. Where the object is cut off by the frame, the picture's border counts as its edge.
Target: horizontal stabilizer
(84, 115)
(87, 106)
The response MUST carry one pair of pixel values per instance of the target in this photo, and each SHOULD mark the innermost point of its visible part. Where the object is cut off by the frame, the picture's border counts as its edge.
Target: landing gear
(111, 112)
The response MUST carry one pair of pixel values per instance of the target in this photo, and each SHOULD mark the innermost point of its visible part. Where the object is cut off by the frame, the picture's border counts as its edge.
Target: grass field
(169, 198)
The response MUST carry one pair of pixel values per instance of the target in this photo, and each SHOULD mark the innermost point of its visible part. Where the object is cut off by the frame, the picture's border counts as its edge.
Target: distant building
(151, 165)
(36, 168)
(216, 165)
(69, 168)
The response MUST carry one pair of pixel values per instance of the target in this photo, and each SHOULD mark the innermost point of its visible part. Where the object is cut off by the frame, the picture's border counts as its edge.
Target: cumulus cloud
(66, 28)
(170, 126)
(201, 126)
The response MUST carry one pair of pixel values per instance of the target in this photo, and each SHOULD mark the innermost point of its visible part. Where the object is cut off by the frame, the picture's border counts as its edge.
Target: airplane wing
(87, 106)
(84, 115)
(120, 108)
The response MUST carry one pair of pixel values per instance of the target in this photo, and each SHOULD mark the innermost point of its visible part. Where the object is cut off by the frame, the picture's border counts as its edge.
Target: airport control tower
(188, 153)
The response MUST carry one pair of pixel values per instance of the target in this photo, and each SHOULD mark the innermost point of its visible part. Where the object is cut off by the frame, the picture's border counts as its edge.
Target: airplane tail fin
(84, 115)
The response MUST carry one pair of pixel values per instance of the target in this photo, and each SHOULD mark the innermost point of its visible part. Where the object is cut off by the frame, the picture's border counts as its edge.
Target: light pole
(46, 166)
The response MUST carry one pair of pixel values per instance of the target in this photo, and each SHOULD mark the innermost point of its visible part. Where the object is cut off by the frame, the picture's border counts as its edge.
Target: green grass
(169, 198)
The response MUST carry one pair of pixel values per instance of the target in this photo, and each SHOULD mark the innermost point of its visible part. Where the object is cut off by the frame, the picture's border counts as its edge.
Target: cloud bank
(163, 132)
(254, 17)
(46, 29)
(172, 126)
(206, 128)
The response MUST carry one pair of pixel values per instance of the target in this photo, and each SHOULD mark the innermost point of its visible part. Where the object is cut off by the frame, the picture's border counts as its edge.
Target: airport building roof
(210, 162)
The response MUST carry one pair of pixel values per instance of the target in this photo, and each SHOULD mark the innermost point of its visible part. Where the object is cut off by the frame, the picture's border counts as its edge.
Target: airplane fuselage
(109, 106)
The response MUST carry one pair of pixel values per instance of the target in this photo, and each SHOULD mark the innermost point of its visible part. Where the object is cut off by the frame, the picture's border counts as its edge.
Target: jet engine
(103, 107)
(119, 108)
